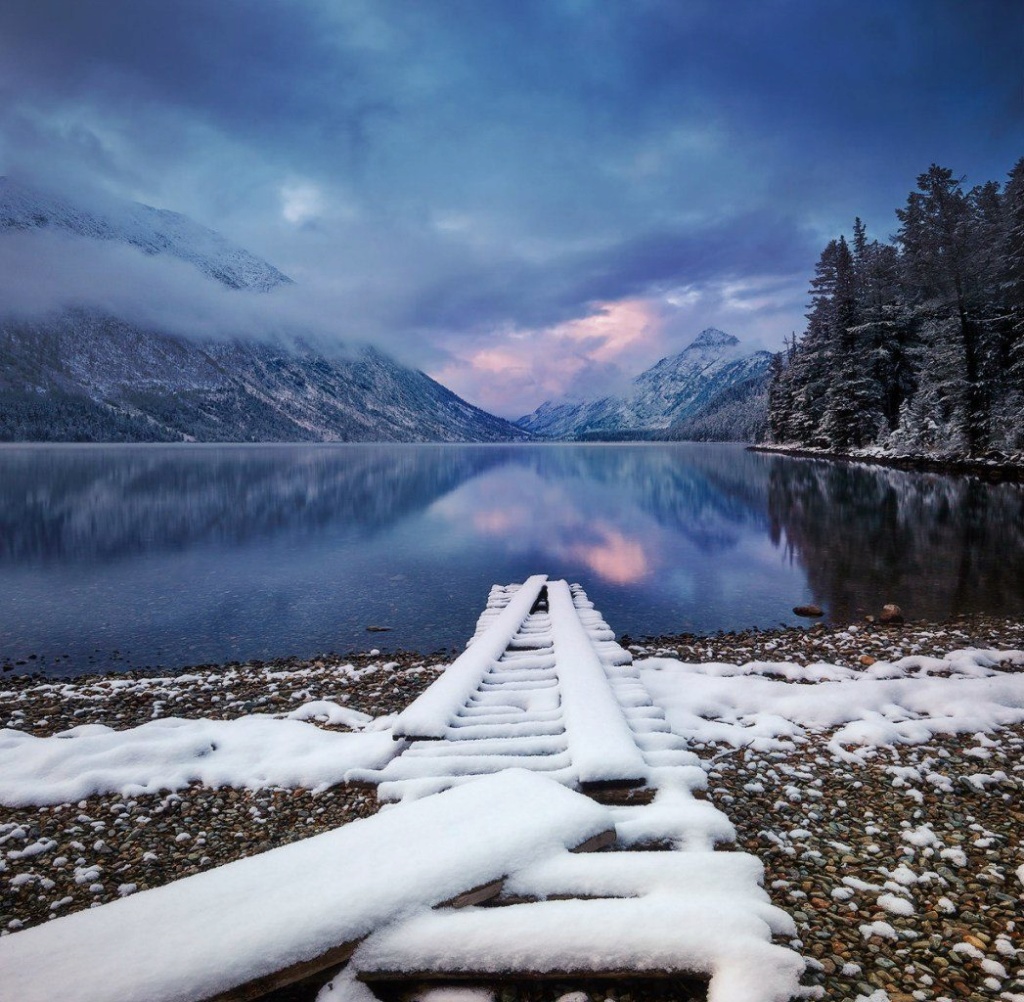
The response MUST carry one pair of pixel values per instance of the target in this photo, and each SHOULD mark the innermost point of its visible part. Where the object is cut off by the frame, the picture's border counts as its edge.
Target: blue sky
(522, 197)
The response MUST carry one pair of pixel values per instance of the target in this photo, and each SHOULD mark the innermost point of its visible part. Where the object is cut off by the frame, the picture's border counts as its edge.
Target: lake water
(132, 556)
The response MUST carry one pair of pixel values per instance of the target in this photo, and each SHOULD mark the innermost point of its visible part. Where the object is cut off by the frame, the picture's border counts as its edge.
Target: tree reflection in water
(179, 555)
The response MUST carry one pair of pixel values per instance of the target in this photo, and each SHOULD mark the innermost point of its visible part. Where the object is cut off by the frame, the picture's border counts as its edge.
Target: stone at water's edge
(891, 614)
(807, 610)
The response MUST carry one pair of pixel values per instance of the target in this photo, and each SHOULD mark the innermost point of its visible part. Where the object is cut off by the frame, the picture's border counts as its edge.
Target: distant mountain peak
(674, 389)
(712, 337)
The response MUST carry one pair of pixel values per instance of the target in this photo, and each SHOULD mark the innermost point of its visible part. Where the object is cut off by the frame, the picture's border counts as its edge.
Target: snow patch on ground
(904, 702)
(251, 752)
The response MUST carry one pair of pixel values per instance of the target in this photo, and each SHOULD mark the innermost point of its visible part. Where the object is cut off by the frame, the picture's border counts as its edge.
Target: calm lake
(128, 556)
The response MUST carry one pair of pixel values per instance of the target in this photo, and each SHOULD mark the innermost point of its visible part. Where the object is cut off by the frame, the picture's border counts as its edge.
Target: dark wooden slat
(625, 796)
(474, 895)
(325, 965)
(523, 899)
(610, 785)
(600, 841)
(387, 984)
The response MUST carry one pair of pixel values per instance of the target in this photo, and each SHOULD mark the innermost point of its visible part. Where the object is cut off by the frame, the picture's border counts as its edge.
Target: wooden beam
(326, 965)
(475, 895)
(687, 981)
(600, 841)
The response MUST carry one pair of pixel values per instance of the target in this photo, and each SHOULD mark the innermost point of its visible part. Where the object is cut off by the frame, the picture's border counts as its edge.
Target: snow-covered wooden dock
(521, 784)
(544, 686)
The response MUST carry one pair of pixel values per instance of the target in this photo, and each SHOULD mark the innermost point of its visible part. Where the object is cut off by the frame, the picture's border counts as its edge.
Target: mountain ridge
(152, 231)
(661, 400)
(81, 374)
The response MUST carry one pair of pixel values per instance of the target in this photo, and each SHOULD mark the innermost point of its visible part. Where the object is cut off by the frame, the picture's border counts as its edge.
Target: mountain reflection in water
(127, 556)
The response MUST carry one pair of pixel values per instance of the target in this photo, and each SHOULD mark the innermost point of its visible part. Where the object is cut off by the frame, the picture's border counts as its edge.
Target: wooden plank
(600, 841)
(600, 739)
(316, 972)
(687, 981)
(260, 923)
(475, 895)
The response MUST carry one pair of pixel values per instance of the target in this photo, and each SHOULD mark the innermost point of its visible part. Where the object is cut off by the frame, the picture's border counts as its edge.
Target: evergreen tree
(1011, 267)
(780, 409)
(937, 240)
(918, 345)
(885, 330)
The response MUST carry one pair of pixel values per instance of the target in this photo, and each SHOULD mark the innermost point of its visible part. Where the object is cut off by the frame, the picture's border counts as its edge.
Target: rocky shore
(901, 870)
(996, 468)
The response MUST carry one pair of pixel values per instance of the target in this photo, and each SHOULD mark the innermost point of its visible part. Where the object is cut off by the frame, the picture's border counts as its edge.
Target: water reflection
(177, 555)
(936, 545)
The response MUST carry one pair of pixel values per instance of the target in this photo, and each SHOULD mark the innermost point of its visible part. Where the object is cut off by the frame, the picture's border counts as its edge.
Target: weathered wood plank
(475, 895)
(326, 966)
(600, 841)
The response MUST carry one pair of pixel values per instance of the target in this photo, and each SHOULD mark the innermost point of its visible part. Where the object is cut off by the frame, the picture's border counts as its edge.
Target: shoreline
(992, 471)
(831, 834)
(802, 639)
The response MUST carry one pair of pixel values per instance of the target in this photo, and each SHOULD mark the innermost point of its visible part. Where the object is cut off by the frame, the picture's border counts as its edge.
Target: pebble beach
(900, 869)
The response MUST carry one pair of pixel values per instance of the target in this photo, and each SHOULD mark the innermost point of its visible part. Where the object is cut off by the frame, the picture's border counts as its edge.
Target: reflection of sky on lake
(183, 555)
(653, 571)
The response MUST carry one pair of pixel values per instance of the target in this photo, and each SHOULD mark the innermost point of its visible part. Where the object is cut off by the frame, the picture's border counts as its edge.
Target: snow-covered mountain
(81, 374)
(153, 231)
(670, 395)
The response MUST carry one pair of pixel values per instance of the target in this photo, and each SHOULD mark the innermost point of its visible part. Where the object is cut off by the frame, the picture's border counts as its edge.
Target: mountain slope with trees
(79, 373)
(915, 347)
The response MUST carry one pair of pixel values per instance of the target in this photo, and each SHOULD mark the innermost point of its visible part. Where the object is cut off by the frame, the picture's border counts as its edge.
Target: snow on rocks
(904, 702)
(834, 885)
(171, 753)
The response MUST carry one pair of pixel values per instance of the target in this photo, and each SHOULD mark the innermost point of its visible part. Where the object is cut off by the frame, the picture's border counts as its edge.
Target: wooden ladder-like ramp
(543, 686)
(525, 780)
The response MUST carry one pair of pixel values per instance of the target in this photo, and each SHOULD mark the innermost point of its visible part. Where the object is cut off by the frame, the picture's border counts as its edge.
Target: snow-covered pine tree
(1011, 266)
(851, 415)
(884, 333)
(936, 237)
(917, 345)
(811, 367)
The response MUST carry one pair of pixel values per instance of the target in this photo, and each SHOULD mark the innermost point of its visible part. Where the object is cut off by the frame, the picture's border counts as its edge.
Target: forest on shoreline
(915, 346)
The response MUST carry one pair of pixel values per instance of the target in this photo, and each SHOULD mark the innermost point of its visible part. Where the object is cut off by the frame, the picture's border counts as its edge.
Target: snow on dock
(536, 747)
(555, 694)
(429, 715)
(242, 929)
(542, 686)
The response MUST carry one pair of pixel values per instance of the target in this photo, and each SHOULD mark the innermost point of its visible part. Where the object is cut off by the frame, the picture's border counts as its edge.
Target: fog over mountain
(128, 323)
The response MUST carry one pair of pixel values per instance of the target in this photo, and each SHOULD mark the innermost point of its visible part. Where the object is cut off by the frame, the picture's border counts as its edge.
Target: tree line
(915, 345)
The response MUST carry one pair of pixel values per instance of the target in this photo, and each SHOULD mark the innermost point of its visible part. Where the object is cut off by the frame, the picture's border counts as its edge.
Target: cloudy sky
(523, 197)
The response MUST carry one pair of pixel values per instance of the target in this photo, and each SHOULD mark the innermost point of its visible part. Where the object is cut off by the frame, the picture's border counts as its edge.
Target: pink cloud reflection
(500, 521)
(615, 557)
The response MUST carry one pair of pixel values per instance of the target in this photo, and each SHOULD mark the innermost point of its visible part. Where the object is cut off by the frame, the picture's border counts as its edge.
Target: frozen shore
(995, 468)
(899, 863)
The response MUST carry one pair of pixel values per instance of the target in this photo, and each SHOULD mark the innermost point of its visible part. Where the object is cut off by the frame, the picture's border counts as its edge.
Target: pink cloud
(518, 369)
(500, 521)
